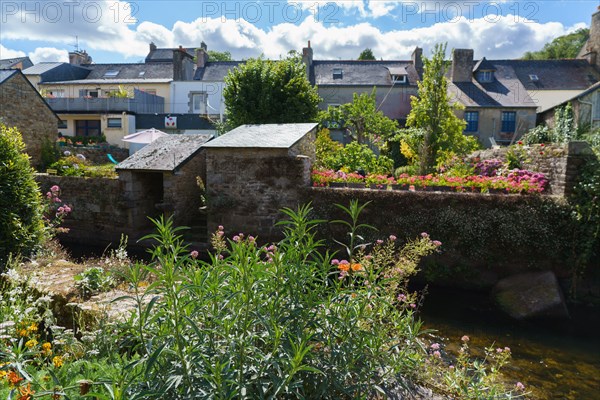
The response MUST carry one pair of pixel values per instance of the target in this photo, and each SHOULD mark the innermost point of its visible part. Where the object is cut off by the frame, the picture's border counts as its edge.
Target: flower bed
(516, 181)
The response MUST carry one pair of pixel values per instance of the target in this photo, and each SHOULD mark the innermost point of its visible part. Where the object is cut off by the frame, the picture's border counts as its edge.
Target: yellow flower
(31, 343)
(47, 346)
(3, 374)
(57, 361)
(33, 327)
(23, 332)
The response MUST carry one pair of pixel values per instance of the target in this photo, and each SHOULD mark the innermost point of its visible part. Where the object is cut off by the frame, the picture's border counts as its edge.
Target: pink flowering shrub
(55, 211)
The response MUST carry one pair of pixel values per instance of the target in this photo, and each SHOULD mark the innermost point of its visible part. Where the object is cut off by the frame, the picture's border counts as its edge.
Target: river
(554, 359)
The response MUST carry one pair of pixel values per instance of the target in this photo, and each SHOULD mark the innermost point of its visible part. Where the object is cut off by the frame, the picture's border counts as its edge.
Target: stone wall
(100, 211)
(560, 163)
(22, 106)
(246, 188)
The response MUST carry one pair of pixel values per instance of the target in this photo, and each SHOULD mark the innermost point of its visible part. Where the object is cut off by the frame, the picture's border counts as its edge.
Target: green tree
(363, 119)
(366, 54)
(566, 46)
(21, 223)
(219, 55)
(265, 91)
(433, 115)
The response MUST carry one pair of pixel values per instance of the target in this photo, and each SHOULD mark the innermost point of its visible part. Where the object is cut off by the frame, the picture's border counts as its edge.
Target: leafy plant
(94, 280)
(49, 154)
(21, 224)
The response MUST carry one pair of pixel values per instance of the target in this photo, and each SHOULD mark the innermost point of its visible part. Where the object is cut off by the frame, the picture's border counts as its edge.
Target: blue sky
(118, 31)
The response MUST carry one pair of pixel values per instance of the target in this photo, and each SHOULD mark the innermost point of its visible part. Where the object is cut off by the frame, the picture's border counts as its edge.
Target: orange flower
(13, 378)
(344, 267)
(356, 267)
(26, 392)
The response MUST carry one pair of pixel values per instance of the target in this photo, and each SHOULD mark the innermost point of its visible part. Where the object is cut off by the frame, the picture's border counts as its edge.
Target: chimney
(417, 60)
(152, 47)
(79, 57)
(180, 60)
(307, 59)
(462, 65)
(593, 43)
(202, 55)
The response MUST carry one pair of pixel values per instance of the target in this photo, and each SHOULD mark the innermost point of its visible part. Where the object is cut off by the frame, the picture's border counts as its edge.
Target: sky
(119, 31)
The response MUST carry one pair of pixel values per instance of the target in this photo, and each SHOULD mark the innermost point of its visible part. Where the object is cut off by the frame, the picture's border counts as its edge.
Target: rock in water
(531, 295)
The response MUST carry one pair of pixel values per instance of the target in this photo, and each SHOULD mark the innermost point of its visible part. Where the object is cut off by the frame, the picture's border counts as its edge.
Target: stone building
(254, 171)
(22, 106)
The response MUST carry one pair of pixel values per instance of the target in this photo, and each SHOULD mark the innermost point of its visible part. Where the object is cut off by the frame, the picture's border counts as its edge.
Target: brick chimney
(79, 57)
(152, 47)
(462, 65)
(202, 55)
(417, 60)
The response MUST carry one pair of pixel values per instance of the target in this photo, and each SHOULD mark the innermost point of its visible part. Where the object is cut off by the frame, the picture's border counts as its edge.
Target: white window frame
(199, 103)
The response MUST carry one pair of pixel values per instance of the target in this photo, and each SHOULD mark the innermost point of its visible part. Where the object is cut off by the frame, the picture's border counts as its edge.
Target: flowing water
(554, 359)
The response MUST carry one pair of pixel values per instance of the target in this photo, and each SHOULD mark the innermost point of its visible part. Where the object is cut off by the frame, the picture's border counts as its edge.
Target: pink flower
(49, 195)
(220, 256)
(57, 200)
(379, 241)
(393, 238)
(520, 386)
(251, 239)
(55, 189)
(435, 346)
(437, 243)
(335, 261)
(437, 354)
(67, 209)
(413, 305)
(465, 338)
(236, 239)
(220, 228)
(401, 297)
(194, 254)
(424, 235)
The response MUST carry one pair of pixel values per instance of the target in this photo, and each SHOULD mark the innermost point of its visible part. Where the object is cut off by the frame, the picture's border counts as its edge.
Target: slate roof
(166, 54)
(215, 71)
(504, 91)
(131, 71)
(8, 63)
(484, 65)
(361, 73)
(56, 72)
(569, 74)
(5, 74)
(266, 136)
(165, 154)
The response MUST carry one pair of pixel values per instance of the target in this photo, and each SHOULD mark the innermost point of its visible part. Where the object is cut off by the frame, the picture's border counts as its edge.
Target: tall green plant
(21, 224)
(433, 114)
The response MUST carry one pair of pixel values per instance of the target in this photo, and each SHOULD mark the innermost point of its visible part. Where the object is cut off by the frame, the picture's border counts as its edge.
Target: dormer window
(399, 78)
(485, 76)
(111, 73)
(141, 74)
(534, 78)
(338, 73)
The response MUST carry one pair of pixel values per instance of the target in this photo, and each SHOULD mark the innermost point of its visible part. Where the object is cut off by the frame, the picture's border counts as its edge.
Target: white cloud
(9, 53)
(107, 26)
(45, 54)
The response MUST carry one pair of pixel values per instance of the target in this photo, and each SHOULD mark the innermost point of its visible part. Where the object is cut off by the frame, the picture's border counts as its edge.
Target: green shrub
(327, 151)
(49, 154)
(70, 166)
(21, 225)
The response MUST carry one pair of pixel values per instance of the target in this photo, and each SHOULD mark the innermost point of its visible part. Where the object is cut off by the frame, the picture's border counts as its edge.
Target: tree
(433, 115)
(367, 54)
(265, 91)
(566, 46)
(362, 118)
(21, 223)
(219, 55)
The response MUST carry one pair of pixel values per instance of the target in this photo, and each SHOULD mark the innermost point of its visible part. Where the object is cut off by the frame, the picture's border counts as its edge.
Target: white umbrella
(144, 137)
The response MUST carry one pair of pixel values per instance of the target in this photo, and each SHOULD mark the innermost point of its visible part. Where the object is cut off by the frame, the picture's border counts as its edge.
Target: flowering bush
(54, 212)
(490, 167)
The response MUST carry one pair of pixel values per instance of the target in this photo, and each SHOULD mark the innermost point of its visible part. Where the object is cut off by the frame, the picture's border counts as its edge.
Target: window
(534, 78)
(62, 124)
(87, 127)
(485, 76)
(399, 78)
(508, 121)
(92, 93)
(141, 74)
(113, 123)
(338, 73)
(472, 118)
(56, 93)
(199, 103)
(111, 73)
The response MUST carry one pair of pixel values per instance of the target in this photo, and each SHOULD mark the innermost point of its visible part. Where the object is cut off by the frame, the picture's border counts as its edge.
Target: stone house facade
(22, 106)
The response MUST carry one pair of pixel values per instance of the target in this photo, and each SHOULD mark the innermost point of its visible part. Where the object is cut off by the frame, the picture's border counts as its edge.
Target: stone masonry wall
(246, 188)
(100, 212)
(560, 163)
(97, 155)
(21, 106)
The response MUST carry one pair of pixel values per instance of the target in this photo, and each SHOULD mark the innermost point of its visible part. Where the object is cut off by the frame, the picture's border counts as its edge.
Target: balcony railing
(141, 103)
